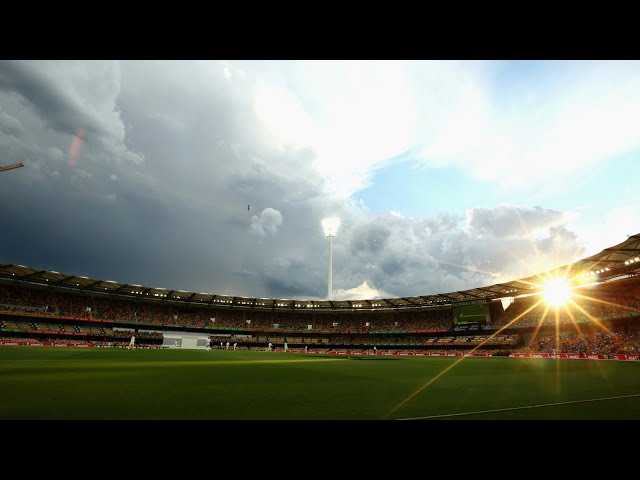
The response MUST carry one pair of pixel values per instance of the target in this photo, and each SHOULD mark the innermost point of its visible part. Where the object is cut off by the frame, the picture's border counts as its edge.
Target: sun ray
(557, 350)
(557, 327)
(595, 265)
(542, 319)
(533, 284)
(556, 314)
(527, 233)
(518, 259)
(590, 317)
(536, 252)
(443, 372)
(564, 278)
(613, 304)
(489, 274)
(567, 277)
(598, 364)
(521, 261)
(573, 319)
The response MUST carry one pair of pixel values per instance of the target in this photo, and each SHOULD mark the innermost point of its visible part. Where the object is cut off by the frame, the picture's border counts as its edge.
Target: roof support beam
(121, 288)
(33, 274)
(59, 282)
(442, 295)
(634, 251)
(467, 294)
(407, 300)
(91, 285)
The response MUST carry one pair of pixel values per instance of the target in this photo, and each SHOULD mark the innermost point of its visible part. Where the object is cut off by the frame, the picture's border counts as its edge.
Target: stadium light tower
(330, 227)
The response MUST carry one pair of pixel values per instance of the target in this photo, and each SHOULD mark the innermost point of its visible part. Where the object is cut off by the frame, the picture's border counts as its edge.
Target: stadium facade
(41, 306)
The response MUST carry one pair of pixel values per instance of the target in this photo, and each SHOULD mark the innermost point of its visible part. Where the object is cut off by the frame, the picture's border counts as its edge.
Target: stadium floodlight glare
(330, 227)
(556, 292)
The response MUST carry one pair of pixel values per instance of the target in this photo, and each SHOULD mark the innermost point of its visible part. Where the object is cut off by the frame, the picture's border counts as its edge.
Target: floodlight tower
(330, 227)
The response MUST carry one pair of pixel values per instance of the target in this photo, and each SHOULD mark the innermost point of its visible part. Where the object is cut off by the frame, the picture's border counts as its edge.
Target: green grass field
(74, 383)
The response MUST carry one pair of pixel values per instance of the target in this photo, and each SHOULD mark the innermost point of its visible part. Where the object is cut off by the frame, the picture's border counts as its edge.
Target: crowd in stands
(587, 305)
(427, 321)
(71, 330)
(62, 304)
(98, 343)
(51, 303)
(28, 339)
(466, 341)
(608, 301)
(607, 343)
(469, 342)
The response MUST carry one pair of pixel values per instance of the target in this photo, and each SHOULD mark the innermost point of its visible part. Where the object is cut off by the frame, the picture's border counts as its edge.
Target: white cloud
(601, 231)
(546, 136)
(266, 222)
(508, 220)
(357, 116)
(402, 256)
(353, 115)
(362, 291)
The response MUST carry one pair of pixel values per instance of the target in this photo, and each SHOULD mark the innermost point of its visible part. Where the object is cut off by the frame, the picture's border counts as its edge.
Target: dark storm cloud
(60, 99)
(274, 179)
(289, 288)
(10, 125)
(391, 265)
(292, 278)
(174, 152)
(179, 219)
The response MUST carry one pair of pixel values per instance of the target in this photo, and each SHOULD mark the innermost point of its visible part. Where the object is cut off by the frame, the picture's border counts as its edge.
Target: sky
(213, 176)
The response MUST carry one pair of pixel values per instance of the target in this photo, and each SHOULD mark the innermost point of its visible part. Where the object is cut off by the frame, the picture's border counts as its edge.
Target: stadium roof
(618, 261)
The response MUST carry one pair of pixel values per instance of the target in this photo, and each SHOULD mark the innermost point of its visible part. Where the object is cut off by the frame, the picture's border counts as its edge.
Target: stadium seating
(30, 310)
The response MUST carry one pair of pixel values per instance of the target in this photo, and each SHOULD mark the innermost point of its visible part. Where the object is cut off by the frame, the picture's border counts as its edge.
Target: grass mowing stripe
(521, 408)
(110, 384)
(165, 363)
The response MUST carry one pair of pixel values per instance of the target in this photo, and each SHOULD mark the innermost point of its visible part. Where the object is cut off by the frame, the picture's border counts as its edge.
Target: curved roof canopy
(618, 261)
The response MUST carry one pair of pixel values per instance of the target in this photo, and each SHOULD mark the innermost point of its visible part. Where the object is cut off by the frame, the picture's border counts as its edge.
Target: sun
(556, 292)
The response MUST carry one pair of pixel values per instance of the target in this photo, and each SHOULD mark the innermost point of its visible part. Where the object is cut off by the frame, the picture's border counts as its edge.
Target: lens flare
(556, 292)
(76, 143)
(562, 290)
